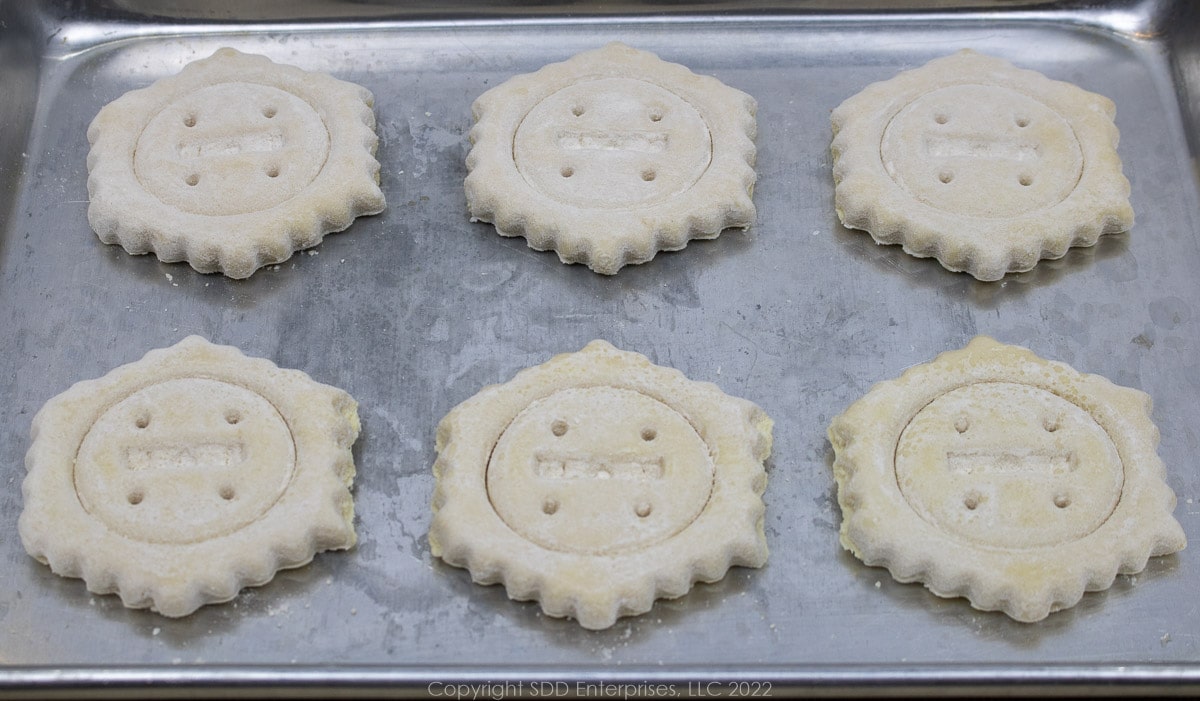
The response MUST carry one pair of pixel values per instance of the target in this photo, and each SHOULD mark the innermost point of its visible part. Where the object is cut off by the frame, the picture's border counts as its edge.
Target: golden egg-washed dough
(983, 166)
(234, 163)
(179, 479)
(1016, 482)
(611, 156)
(598, 482)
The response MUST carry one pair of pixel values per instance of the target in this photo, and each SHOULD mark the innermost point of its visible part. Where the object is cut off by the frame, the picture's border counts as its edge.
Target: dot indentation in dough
(549, 507)
(192, 180)
(233, 416)
(1022, 122)
(577, 110)
(1062, 501)
(648, 175)
(656, 116)
(269, 112)
(643, 509)
(559, 427)
(649, 434)
(567, 171)
(941, 118)
(227, 493)
(945, 176)
(272, 171)
(1050, 424)
(142, 421)
(962, 424)
(1026, 180)
(135, 497)
(189, 121)
(971, 501)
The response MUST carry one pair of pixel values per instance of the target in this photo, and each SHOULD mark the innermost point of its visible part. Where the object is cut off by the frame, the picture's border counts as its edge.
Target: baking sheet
(413, 310)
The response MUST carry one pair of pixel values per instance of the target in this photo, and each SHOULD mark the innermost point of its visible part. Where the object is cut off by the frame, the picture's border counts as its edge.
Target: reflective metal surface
(413, 310)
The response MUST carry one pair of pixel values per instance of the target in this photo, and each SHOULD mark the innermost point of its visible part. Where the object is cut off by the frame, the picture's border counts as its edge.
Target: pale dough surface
(1016, 482)
(983, 166)
(598, 482)
(179, 479)
(232, 164)
(611, 156)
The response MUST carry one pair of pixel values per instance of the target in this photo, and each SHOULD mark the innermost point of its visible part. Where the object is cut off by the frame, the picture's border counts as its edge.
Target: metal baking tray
(413, 310)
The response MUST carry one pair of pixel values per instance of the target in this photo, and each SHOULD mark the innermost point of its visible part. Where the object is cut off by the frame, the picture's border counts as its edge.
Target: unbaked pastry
(232, 164)
(176, 480)
(1014, 481)
(598, 482)
(612, 156)
(978, 164)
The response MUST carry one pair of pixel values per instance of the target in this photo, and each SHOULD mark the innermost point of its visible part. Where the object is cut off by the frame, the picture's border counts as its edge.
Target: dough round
(598, 470)
(982, 151)
(612, 143)
(1010, 466)
(231, 148)
(185, 460)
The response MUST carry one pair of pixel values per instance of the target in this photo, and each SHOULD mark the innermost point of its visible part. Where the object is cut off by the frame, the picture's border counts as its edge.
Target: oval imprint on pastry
(982, 151)
(599, 470)
(612, 143)
(185, 460)
(1009, 466)
(231, 148)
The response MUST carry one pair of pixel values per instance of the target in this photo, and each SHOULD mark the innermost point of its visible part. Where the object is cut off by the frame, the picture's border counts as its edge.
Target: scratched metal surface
(413, 310)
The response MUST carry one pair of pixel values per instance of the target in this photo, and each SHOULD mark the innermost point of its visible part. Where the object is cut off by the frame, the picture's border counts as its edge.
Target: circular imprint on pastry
(982, 151)
(1009, 466)
(231, 148)
(612, 143)
(184, 461)
(599, 470)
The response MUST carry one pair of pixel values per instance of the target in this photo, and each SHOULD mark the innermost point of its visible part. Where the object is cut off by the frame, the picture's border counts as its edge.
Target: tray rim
(1073, 680)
